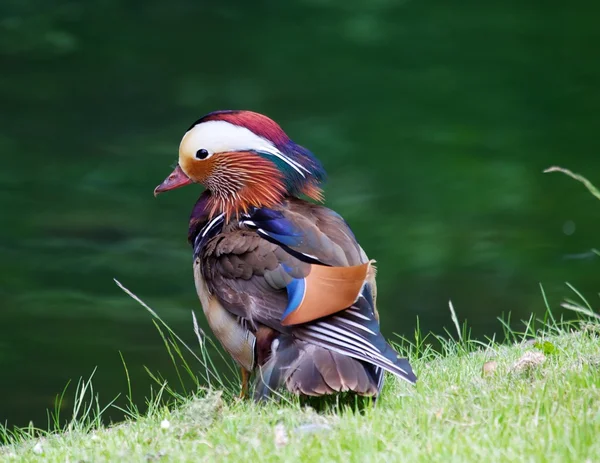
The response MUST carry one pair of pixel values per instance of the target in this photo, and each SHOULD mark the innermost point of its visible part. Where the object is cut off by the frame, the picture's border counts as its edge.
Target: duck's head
(244, 159)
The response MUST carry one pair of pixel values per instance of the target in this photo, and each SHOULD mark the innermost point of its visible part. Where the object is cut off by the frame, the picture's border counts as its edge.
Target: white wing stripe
(339, 339)
(356, 313)
(354, 324)
(315, 337)
(351, 348)
(344, 332)
(211, 224)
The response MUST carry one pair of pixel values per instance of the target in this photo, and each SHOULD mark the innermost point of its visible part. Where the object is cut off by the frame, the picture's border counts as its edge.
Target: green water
(433, 121)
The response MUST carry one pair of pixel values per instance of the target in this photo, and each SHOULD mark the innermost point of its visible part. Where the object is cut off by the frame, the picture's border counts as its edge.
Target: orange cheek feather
(198, 171)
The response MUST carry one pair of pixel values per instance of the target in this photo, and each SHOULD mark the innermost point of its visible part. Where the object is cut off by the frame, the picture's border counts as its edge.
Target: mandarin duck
(282, 281)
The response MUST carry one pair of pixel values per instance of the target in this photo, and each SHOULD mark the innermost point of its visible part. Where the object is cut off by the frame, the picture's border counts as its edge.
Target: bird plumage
(283, 282)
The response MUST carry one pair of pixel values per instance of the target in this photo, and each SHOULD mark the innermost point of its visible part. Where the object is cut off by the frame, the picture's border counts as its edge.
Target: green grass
(534, 398)
(546, 408)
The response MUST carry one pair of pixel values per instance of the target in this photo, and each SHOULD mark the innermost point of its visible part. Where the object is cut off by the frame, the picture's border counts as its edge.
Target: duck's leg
(244, 392)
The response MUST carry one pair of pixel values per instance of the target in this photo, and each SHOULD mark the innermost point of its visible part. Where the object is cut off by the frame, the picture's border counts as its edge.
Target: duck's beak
(177, 179)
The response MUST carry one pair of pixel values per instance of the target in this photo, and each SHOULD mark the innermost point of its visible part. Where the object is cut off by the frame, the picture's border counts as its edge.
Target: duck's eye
(201, 154)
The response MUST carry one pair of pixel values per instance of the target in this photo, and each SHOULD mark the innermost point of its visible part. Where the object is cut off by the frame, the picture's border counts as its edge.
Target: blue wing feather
(295, 290)
(276, 228)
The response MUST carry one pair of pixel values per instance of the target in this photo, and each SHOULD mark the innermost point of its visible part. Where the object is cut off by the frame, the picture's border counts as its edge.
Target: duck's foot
(245, 387)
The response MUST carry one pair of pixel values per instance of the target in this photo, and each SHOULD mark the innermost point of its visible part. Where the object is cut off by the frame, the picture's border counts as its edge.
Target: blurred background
(434, 122)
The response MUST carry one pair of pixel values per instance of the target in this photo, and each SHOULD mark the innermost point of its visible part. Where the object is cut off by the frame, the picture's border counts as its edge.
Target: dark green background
(434, 120)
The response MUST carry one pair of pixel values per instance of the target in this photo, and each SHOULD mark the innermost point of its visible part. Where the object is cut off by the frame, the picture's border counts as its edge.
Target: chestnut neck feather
(239, 181)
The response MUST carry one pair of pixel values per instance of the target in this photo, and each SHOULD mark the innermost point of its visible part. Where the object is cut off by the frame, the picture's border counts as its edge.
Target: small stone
(489, 367)
(281, 437)
(528, 361)
(164, 424)
(38, 448)
(155, 456)
(310, 428)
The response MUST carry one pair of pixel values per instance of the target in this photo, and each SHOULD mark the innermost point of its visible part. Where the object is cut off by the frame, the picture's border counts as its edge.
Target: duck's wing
(299, 269)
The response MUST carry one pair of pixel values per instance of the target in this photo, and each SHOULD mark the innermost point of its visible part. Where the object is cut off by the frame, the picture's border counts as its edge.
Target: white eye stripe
(296, 166)
(221, 136)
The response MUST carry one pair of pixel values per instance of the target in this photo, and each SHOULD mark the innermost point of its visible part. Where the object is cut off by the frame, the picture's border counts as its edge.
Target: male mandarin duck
(284, 284)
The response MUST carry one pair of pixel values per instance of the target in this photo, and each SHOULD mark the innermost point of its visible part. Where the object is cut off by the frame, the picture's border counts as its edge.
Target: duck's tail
(312, 370)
